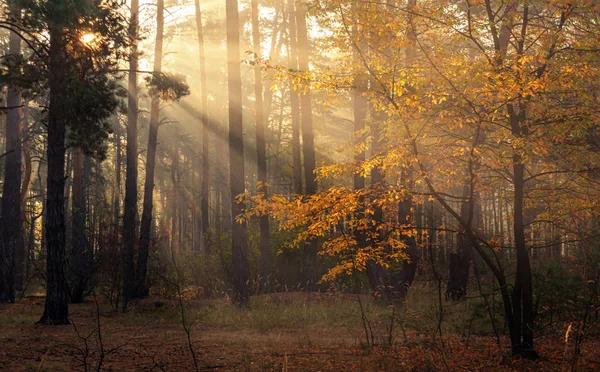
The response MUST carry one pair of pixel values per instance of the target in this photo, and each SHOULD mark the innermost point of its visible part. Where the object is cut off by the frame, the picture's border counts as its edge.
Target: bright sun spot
(88, 38)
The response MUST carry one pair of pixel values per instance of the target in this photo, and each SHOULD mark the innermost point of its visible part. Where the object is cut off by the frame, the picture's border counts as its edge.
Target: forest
(306, 185)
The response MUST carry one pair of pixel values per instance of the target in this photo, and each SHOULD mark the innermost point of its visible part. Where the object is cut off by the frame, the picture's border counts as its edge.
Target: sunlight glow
(88, 38)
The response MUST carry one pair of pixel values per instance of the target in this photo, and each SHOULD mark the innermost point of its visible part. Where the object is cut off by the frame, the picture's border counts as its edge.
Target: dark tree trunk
(523, 288)
(11, 196)
(56, 308)
(295, 101)
(261, 150)
(117, 186)
(174, 201)
(204, 202)
(78, 258)
(399, 282)
(460, 259)
(308, 143)
(131, 176)
(236, 157)
(141, 289)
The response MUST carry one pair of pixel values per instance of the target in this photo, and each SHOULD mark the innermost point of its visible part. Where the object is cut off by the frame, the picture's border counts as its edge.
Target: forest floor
(281, 332)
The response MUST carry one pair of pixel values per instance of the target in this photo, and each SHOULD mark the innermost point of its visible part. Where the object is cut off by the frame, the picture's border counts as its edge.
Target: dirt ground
(151, 338)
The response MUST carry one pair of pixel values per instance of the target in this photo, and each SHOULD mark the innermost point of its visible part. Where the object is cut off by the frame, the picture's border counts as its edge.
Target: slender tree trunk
(308, 143)
(523, 289)
(21, 253)
(295, 101)
(204, 202)
(78, 258)
(131, 176)
(141, 289)
(224, 185)
(11, 195)
(174, 202)
(360, 106)
(460, 260)
(56, 308)
(261, 149)
(117, 186)
(236, 156)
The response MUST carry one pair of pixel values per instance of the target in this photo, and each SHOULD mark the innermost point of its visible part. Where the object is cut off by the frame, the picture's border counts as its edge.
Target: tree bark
(11, 196)
(117, 186)
(141, 289)
(236, 157)
(294, 101)
(78, 258)
(131, 175)
(204, 202)
(21, 256)
(261, 150)
(308, 143)
(523, 289)
(56, 308)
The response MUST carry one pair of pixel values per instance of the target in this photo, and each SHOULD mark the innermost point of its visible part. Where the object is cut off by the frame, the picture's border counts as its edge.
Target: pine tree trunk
(294, 101)
(261, 149)
(236, 156)
(56, 308)
(141, 289)
(308, 143)
(117, 186)
(206, 129)
(131, 176)
(11, 225)
(78, 258)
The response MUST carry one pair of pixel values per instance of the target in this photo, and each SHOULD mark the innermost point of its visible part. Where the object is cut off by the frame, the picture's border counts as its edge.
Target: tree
(205, 134)
(79, 263)
(308, 141)
(165, 87)
(294, 99)
(261, 147)
(236, 157)
(131, 175)
(11, 228)
(141, 290)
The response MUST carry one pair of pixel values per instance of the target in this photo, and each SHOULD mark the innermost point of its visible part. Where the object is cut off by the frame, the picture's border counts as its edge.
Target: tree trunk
(205, 135)
(236, 156)
(117, 185)
(308, 143)
(56, 308)
(141, 289)
(523, 289)
(261, 149)
(78, 258)
(174, 201)
(295, 102)
(11, 195)
(460, 260)
(21, 253)
(131, 176)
